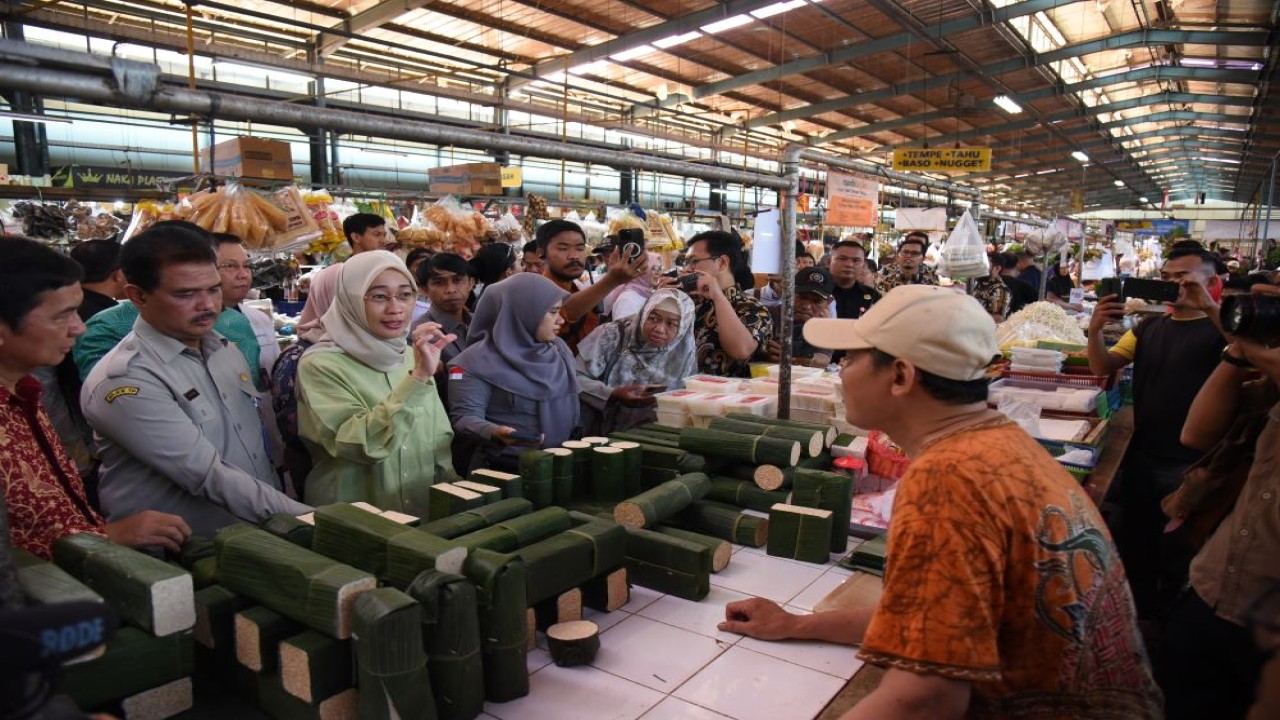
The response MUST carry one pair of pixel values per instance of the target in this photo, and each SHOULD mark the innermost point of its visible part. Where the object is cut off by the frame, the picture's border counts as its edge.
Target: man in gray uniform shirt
(173, 406)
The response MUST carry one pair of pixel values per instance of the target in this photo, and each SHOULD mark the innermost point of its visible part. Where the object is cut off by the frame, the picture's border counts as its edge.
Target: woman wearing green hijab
(368, 409)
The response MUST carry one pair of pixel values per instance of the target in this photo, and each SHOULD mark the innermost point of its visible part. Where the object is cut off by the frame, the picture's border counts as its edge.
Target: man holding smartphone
(1172, 356)
(729, 326)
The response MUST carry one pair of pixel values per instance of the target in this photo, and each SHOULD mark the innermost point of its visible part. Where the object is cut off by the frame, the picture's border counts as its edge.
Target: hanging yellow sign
(958, 160)
(512, 177)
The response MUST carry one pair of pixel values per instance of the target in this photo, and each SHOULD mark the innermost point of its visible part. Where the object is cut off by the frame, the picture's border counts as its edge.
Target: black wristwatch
(1230, 359)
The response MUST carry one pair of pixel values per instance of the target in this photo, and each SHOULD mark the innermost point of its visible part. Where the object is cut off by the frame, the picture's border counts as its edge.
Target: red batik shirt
(43, 491)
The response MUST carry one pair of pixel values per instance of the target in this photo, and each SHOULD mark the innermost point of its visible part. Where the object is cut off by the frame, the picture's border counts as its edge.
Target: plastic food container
(676, 400)
(797, 371)
(762, 386)
(673, 418)
(712, 384)
(814, 400)
(762, 405)
(711, 404)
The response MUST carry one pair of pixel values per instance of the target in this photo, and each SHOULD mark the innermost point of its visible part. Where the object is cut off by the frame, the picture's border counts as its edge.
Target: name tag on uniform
(122, 390)
(191, 394)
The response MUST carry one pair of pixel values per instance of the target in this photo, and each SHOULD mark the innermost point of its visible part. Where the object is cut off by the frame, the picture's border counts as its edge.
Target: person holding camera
(1209, 665)
(563, 246)
(730, 327)
(1172, 357)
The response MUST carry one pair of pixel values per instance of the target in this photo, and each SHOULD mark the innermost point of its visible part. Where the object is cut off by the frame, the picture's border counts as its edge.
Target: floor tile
(654, 654)
(747, 685)
(604, 620)
(641, 597)
(830, 658)
(578, 693)
(676, 709)
(700, 617)
(818, 590)
(768, 577)
(538, 658)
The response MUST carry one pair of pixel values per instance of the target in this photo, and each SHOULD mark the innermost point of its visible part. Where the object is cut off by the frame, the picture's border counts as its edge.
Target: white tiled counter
(662, 658)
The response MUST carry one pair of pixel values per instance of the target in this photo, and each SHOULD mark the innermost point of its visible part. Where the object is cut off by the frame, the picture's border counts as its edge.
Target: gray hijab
(502, 351)
(617, 354)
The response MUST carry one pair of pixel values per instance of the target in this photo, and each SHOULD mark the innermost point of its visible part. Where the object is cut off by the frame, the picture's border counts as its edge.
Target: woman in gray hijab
(514, 386)
(623, 363)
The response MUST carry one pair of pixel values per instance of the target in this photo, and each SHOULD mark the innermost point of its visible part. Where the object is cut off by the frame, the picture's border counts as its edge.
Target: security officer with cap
(173, 406)
(814, 288)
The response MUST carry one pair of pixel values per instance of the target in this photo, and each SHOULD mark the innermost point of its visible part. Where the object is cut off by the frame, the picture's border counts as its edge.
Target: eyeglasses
(404, 298)
(232, 266)
(910, 253)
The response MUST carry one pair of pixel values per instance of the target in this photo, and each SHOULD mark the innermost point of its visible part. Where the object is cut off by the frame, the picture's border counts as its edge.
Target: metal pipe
(191, 85)
(791, 173)
(135, 85)
(1271, 197)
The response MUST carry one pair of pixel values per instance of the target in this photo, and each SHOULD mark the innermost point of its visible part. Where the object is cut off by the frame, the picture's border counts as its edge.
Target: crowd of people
(142, 399)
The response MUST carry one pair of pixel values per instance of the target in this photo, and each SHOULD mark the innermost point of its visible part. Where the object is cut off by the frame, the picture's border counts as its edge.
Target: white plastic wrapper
(965, 253)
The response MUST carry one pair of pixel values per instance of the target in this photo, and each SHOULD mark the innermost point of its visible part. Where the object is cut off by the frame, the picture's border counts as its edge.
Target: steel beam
(677, 26)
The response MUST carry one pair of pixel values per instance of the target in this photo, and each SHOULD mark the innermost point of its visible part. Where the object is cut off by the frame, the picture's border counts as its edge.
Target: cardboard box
(468, 179)
(249, 157)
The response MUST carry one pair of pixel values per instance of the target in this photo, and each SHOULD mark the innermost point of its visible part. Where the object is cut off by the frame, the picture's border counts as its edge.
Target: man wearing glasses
(909, 267)
(729, 326)
(173, 406)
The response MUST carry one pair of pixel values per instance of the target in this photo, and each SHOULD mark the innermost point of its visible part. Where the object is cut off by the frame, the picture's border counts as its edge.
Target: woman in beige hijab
(368, 409)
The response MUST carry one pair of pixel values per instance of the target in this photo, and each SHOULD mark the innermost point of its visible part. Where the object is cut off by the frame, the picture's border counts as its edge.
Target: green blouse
(381, 438)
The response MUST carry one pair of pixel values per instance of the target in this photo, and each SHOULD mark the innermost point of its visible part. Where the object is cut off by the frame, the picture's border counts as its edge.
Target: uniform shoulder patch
(122, 390)
(456, 373)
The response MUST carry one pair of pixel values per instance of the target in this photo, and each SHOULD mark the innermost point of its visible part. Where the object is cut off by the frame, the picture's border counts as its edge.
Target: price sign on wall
(851, 199)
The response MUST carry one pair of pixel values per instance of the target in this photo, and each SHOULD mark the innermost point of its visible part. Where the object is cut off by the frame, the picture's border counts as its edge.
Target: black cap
(815, 280)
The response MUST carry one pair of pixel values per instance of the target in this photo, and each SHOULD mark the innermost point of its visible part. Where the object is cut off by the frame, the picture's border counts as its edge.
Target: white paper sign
(766, 245)
(1077, 296)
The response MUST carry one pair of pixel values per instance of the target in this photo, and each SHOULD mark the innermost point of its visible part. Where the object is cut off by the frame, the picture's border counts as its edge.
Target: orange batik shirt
(1001, 572)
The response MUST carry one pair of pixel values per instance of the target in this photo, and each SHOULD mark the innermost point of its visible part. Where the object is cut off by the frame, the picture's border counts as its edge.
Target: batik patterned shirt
(1001, 572)
(893, 277)
(712, 358)
(42, 488)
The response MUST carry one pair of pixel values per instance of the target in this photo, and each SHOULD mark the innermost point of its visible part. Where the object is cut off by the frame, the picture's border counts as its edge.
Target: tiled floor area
(662, 658)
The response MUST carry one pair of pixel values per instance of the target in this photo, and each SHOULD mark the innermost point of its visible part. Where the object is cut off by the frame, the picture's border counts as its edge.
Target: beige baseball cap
(938, 330)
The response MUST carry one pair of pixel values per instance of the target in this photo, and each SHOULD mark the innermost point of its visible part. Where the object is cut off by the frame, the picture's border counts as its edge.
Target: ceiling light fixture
(1080, 156)
(1119, 183)
(632, 53)
(778, 8)
(674, 40)
(591, 67)
(1143, 200)
(29, 117)
(1007, 104)
(728, 23)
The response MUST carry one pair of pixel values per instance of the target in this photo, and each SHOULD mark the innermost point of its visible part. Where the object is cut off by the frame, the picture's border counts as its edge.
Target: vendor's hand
(502, 435)
(428, 342)
(1195, 296)
(1108, 309)
(621, 270)
(632, 395)
(150, 527)
(758, 618)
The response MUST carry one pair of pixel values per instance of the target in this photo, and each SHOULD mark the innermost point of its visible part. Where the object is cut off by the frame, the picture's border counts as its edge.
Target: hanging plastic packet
(965, 253)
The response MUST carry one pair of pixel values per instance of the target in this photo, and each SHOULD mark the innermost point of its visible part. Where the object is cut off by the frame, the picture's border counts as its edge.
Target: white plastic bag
(965, 253)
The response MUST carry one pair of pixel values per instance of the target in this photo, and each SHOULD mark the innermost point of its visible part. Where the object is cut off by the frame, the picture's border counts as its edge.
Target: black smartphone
(1108, 286)
(688, 283)
(1152, 290)
(527, 438)
(632, 242)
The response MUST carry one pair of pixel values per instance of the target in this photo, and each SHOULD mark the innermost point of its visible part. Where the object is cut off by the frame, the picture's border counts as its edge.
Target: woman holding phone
(514, 387)
(368, 409)
(623, 363)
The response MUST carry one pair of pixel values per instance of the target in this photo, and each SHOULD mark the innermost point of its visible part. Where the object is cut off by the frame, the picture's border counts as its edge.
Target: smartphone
(1108, 286)
(1152, 290)
(688, 283)
(526, 438)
